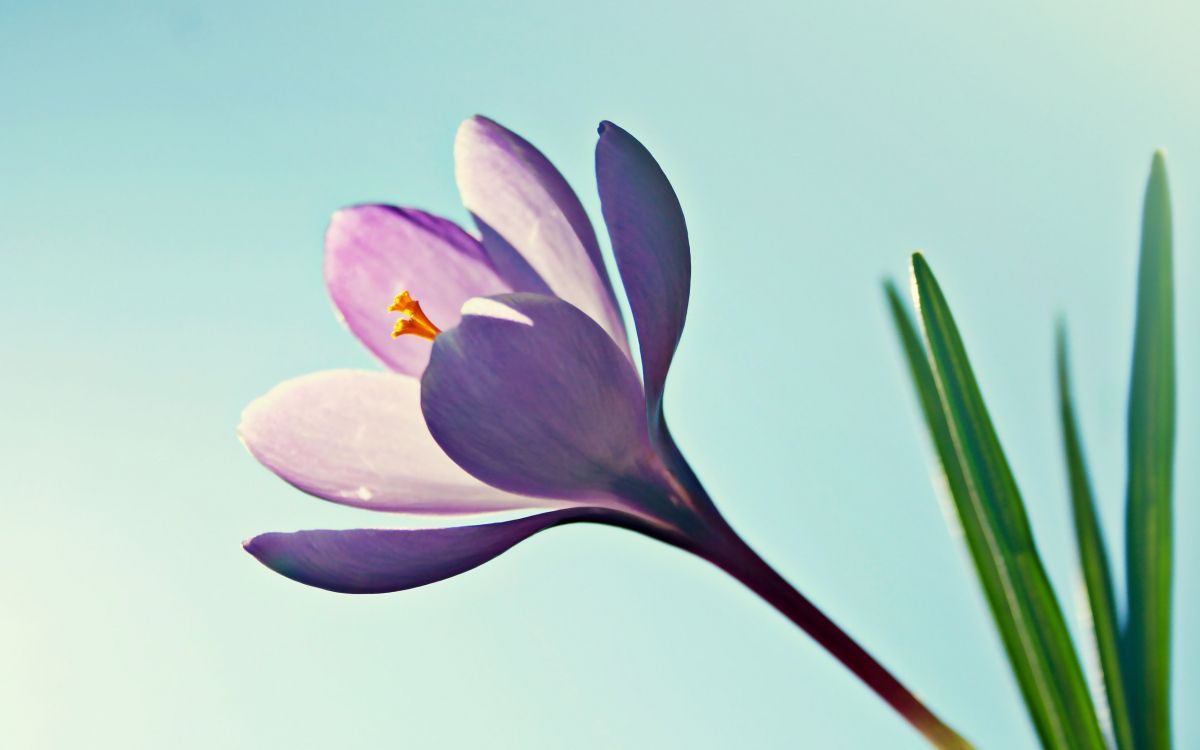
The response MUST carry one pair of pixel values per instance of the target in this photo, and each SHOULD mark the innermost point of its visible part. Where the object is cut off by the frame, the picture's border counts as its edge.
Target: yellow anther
(402, 304)
(415, 321)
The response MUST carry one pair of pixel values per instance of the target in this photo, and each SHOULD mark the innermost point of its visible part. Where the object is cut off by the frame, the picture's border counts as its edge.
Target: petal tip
(478, 126)
(469, 124)
(609, 130)
(254, 547)
(245, 430)
(352, 213)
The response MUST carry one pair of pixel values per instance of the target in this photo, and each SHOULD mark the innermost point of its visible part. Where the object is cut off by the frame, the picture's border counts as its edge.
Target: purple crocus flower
(511, 386)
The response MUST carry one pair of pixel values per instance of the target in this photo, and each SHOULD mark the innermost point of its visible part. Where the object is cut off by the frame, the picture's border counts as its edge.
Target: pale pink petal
(374, 252)
(358, 438)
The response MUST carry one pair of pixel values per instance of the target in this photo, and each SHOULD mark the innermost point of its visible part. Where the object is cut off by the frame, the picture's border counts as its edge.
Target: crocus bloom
(511, 385)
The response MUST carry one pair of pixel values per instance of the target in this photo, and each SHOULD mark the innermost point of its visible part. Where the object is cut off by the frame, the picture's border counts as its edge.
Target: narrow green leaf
(1151, 456)
(1025, 608)
(1093, 558)
(989, 563)
(927, 393)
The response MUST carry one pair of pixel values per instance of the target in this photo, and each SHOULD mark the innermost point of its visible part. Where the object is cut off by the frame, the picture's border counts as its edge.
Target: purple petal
(358, 438)
(531, 395)
(377, 561)
(522, 203)
(649, 239)
(372, 253)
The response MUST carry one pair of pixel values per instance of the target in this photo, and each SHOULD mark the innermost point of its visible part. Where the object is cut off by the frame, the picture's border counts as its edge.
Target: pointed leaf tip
(1093, 556)
(1151, 451)
(920, 274)
(997, 529)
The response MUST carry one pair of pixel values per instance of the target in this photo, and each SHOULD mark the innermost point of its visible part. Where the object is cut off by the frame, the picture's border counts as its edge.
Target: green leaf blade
(1023, 602)
(982, 554)
(1093, 558)
(1151, 447)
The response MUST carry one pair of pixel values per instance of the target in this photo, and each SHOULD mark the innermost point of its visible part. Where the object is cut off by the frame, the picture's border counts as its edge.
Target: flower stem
(735, 557)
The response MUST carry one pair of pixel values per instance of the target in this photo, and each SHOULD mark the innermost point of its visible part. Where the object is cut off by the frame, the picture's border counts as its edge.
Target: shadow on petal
(522, 203)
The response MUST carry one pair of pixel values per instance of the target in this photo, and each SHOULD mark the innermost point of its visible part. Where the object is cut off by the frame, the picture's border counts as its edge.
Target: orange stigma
(415, 321)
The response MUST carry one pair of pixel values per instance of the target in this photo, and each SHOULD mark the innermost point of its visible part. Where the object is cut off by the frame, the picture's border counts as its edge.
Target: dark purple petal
(530, 395)
(377, 561)
(523, 204)
(372, 253)
(649, 239)
(358, 438)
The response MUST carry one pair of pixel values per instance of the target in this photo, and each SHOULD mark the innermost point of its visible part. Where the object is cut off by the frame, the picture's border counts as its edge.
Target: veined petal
(358, 438)
(529, 394)
(374, 252)
(650, 241)
(522, 203)
(377, 561)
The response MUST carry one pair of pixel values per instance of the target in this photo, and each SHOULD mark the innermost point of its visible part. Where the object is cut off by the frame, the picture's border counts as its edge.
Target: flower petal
(529, 394)
(650, 242)
(377, 561)
(373, 252)
(358, 438)
(520, 201)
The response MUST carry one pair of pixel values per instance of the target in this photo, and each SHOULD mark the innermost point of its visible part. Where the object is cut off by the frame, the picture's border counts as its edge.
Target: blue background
(166, 171)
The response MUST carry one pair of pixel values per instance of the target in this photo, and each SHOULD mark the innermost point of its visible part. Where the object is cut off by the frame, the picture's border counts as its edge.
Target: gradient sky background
(166, 172)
